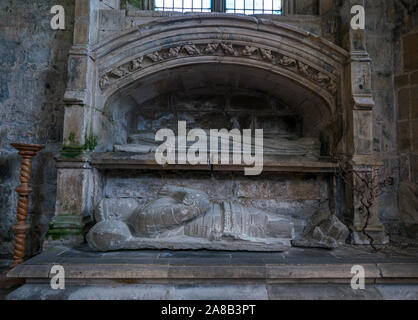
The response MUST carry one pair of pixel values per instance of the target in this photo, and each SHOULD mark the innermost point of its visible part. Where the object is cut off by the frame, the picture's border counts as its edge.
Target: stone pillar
(360, 137)
(73, 203)
(78, 95)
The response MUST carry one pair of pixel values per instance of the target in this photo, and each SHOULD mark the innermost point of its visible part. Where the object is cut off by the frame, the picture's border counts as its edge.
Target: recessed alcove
(215, 96)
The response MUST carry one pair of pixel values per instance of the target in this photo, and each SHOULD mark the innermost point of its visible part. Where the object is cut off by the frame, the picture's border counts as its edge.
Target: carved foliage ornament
(219, 49)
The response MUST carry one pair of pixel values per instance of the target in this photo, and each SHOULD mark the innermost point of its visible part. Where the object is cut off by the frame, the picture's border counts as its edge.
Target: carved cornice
(219, 49)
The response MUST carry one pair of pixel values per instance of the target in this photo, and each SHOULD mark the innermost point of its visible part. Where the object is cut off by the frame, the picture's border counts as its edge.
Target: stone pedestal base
(64, 230)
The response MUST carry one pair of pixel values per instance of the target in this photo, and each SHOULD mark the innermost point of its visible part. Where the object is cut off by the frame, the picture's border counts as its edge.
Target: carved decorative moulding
(222, 49)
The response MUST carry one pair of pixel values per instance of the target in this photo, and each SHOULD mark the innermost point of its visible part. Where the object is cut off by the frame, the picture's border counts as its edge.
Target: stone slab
(216, 292)
(142, 292)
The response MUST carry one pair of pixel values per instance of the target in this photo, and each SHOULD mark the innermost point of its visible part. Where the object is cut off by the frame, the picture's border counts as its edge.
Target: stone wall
(33, 64)
(382, 20)
(33, 68)
(386, 22)
(406, 87)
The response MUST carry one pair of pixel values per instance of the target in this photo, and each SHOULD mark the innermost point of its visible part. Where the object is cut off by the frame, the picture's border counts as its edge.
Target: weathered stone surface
(410, 47)
(408, 206)
(324, 230)
(33, 71)
(116, 208)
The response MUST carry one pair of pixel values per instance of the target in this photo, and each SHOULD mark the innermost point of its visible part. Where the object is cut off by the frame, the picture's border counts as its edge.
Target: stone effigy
(272, 145)
(182, 218)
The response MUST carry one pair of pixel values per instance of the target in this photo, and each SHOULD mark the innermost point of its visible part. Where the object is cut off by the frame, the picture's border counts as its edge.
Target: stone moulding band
(219, 49)
(223, 25)
(285, 50)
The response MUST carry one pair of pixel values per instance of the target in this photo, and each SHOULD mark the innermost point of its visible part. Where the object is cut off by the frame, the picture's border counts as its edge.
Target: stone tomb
(311, 97)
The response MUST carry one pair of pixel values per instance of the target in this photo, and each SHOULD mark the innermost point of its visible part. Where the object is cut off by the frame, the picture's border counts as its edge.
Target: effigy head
(108, 235)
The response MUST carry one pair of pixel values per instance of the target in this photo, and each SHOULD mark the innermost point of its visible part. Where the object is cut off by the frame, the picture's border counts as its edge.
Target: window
(229, 6)
(183, 5)
(254, 6)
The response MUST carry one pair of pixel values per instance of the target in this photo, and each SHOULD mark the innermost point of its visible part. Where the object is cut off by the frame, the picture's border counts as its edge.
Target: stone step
(216, 292)
(164, 274)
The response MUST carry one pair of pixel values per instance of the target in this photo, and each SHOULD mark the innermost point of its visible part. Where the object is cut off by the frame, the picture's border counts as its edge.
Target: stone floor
(391, 273)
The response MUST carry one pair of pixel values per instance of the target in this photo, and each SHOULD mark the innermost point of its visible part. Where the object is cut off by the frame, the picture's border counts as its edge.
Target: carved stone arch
(310, 61)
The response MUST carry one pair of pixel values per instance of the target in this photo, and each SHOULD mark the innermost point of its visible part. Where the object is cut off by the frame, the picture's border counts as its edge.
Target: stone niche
(311, 97)
(212, 97)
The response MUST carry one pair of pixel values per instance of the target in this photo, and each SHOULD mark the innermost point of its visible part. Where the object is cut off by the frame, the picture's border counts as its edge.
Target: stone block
(408, 205)
(404, 167)
(82, 9)
(401, 81)
(410, 51)
(403, 104)
(321, 292)
(74, 126)
(363, 132)
(413, 161)
(304, 190)
(111, 20)
(261, 189)
(414, 78)
(414, 137)
(404, 137)
(77, 68)
(81, 32)
(414, 102)
(73, 191)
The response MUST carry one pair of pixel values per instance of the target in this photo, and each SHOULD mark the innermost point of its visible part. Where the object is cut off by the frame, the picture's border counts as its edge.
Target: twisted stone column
(27, 152)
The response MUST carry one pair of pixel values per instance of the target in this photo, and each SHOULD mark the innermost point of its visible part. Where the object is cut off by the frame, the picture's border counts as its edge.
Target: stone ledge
(126, 161)
(307, 265)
